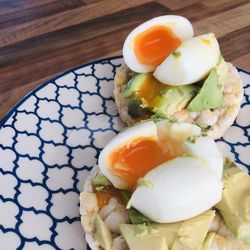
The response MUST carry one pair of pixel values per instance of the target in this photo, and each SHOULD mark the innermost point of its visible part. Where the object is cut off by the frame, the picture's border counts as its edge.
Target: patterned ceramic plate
(50, 141)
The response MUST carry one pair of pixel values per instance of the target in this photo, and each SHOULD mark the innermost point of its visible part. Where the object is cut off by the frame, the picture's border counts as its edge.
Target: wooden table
(41, 38)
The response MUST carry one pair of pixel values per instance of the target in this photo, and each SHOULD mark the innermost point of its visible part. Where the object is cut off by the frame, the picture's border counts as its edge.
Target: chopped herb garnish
(128, 206)
(176, 54)
(100, 182)
(126, 195)
(142, 182)
(138, 218)
(159, 117)
(153, 230)
(228, 163)
(141, 230)
(191, 139)
(187, 155)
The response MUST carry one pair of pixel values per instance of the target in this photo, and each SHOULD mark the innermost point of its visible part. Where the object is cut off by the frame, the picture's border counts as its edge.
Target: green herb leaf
(126, 195)
(191, 139)
(138, 218)
(176, 54)
(228, 163)
(141, 230)
(101, 182)
(159, 117)
(187, 155)
(153, 230)
(142, 182)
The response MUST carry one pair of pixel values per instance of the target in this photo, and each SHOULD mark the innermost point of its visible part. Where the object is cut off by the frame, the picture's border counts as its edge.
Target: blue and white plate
(51, 139)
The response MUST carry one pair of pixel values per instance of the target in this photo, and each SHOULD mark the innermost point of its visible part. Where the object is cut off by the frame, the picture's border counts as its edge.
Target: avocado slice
(210, 96)
(188, 234)
(207, 244)
(235, 204)
(142, 240)
(137, 109)
(144, 86)
(146, 93)
(102, 233)
(169, 231)
(193, 232)
(133, 85)
(174, 99)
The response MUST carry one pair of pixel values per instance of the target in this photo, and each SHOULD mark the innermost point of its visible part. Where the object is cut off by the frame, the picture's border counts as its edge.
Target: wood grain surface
(41, 38)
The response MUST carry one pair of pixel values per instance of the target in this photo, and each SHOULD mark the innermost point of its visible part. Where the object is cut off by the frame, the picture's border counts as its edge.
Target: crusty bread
(218, 120)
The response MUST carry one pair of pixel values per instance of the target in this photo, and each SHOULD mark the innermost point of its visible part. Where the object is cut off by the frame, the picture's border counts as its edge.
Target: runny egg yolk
(155, 44)
(103, 196)
(134, 160)
(150, 89)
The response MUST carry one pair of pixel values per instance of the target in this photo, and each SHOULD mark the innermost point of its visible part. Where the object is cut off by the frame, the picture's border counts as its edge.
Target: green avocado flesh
(174, 99)
(146, 94)
(136, 217)
(102, 233)
(136, 108)
(209, 96)
(100, 182)
(193, 232)
(189, 234)
(235, 203)
(207, 244)
(139, 241)
(144, 86)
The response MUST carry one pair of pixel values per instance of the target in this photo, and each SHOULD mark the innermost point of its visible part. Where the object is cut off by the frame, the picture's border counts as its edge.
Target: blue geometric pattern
(50, 141)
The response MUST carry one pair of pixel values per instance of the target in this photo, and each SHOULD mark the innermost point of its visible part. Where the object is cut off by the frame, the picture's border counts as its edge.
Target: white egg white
(179, 25)
(177, 131)
(172, 133)
(206, 149)
(190, 62)
(181, 189)
(145, 129)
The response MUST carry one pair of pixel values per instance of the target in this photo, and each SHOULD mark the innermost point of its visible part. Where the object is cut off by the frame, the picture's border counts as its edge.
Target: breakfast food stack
(162, 183)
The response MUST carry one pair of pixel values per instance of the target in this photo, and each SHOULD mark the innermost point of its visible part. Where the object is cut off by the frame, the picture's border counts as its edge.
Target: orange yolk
(103, 196)
(133, 161)
(155, 44)
(150, 89)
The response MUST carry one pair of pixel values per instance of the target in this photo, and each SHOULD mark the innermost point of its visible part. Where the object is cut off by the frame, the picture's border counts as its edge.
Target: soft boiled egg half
(173, 171)
(190, 62)
(148, 45)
